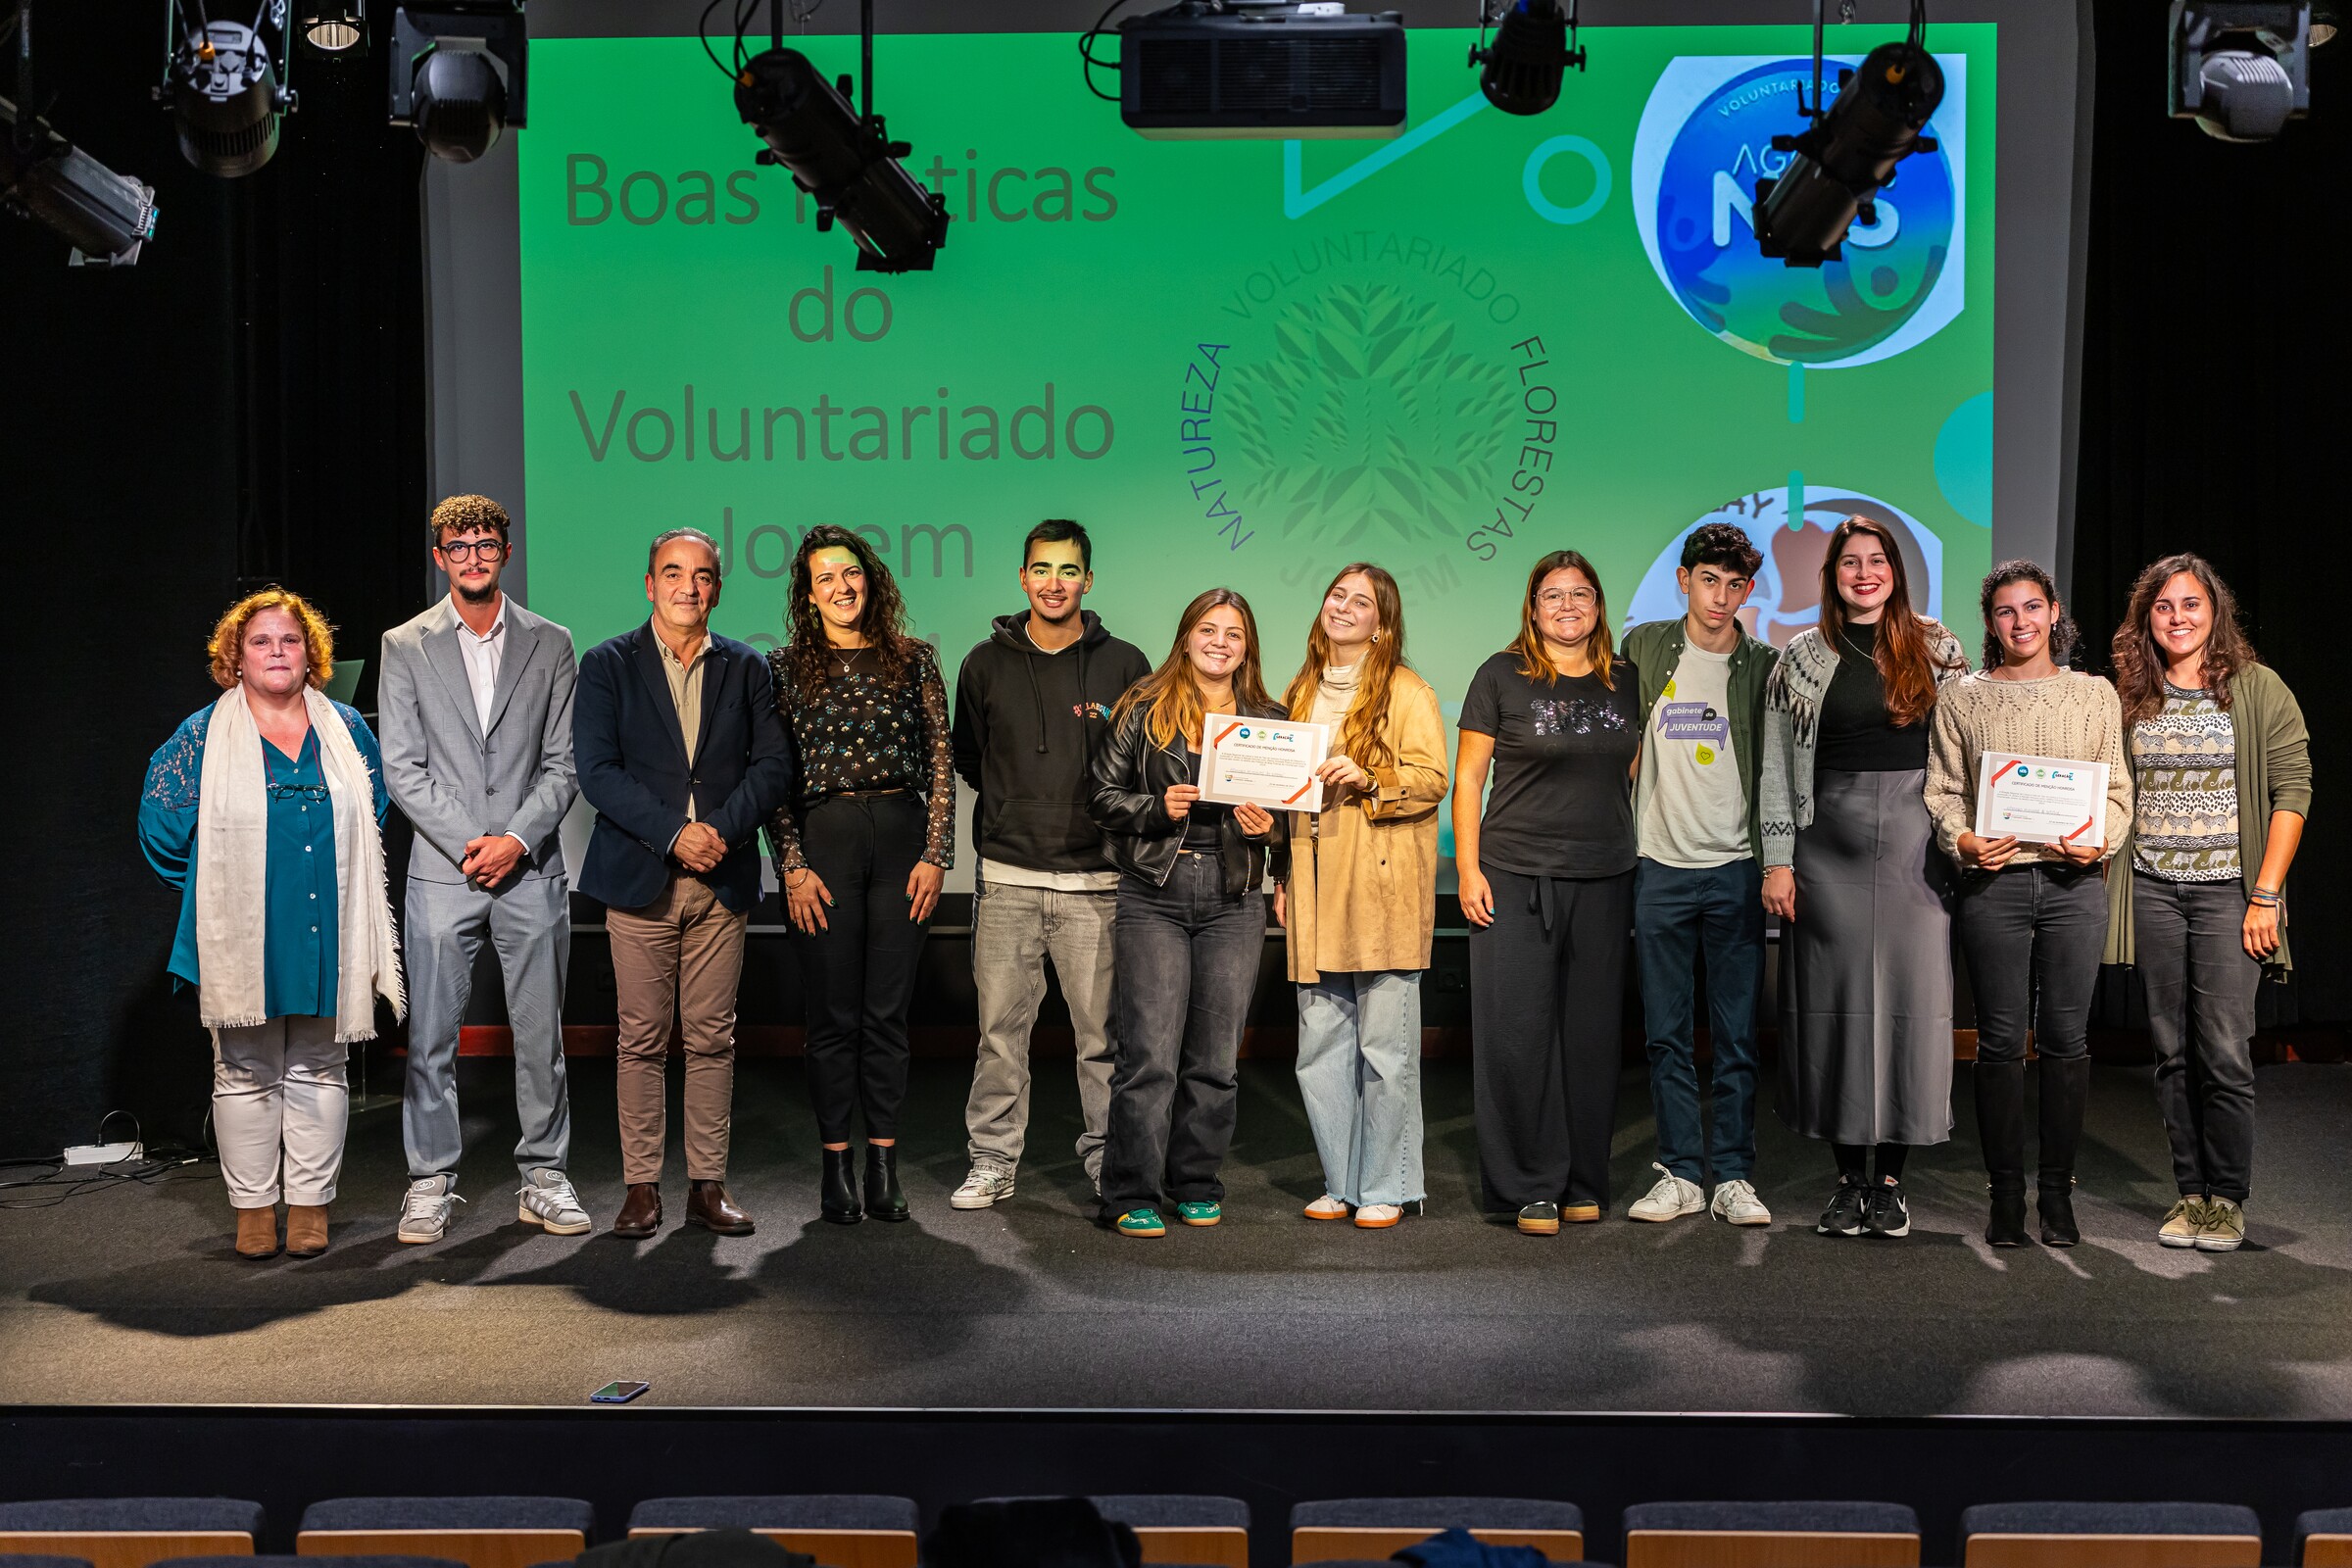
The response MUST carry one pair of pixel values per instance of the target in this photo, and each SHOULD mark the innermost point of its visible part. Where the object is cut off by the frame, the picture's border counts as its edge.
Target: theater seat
(1356, 1529)
(1771, 1535)
(845, 1531)
(2110, 1534)
(375, 1560)
(478, 1532)
(27, 1559)
(2323, 1538)
(131, 1532)
(1172, 1528)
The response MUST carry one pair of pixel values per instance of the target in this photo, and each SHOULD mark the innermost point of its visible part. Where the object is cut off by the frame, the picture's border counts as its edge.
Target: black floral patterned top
(865, 733)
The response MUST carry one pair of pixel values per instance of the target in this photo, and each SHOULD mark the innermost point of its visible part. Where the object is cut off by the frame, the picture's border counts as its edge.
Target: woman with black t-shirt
(1547, 883)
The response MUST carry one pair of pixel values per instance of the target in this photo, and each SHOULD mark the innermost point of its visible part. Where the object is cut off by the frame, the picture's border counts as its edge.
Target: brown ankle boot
(305, 1230)
(257, 1231)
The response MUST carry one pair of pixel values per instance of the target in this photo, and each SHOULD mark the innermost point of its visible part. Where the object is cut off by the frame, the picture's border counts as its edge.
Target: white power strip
(103, 1154)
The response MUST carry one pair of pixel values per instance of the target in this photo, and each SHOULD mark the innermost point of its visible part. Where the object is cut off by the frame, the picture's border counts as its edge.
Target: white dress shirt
(482, 654)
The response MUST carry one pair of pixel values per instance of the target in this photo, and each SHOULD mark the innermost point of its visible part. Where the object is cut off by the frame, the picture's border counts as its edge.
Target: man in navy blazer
(682, 753)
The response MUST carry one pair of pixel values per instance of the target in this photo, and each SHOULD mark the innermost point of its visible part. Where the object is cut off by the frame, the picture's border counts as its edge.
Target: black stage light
(1838, 166)
(848, 163)
(335, 29)
(1534, 45)
(227, 85)
(1271, 69)
(459, 70)
(104, 216)
(2241, 68)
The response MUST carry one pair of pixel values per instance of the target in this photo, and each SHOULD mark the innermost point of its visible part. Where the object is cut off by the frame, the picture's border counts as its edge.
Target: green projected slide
(1248, 363)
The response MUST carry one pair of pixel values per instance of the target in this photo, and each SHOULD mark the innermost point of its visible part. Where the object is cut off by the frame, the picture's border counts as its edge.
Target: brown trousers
(678, 958)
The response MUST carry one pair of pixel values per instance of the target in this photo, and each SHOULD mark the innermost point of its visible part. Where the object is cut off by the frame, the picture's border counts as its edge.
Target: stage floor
(132, 1294)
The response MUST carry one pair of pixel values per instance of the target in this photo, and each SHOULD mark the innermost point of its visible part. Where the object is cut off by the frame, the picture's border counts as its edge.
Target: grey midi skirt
(1866, 969)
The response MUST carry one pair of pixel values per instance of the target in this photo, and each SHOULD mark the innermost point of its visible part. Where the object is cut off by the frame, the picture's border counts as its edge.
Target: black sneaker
(1849, 1210)
(1889, 1215)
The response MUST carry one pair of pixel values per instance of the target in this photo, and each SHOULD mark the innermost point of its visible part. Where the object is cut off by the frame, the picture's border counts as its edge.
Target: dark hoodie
(1026, 725)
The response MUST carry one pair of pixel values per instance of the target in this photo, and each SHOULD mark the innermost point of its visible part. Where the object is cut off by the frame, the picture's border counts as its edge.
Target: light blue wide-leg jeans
(1360, 1074)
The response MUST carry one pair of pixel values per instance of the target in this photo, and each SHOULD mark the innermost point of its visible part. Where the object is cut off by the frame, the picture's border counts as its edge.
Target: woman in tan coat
(1360, 900)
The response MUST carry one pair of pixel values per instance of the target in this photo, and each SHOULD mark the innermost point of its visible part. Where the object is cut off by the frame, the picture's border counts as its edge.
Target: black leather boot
(883, 1199)
(2000, 1088)
(2065, 1089)
(837, 1195)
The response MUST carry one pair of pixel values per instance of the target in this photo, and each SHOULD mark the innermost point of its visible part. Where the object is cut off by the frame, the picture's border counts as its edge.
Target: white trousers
(280, 1087)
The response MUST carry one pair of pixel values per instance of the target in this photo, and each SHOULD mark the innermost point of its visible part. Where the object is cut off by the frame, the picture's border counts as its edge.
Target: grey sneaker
(985, 1186)
(1735, 1201)
(545, 1200)
(424, 1212)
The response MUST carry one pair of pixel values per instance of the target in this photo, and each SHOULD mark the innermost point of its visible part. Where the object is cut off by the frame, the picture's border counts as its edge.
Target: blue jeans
(1360, 1074)
(1678, 914)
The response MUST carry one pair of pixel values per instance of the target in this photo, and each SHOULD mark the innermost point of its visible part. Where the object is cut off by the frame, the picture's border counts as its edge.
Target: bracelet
(790, 884)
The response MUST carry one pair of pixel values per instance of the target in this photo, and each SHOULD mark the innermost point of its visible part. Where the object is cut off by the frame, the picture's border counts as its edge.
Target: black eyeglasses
(462, 549)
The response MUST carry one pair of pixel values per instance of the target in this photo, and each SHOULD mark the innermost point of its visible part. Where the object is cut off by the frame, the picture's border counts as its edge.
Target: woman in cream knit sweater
(2031, 917)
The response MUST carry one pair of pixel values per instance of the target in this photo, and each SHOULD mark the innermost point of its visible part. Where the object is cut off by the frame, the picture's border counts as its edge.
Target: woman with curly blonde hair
(265, 810)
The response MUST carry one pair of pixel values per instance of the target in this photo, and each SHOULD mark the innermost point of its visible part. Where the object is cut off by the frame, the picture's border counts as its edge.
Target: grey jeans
(1014, 930)
(2199, 984)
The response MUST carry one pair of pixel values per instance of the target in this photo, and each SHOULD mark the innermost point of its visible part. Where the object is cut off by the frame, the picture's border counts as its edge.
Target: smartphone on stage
(618, 1393)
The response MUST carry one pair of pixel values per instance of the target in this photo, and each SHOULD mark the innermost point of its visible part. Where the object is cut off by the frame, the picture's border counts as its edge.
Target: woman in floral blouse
(863, 850)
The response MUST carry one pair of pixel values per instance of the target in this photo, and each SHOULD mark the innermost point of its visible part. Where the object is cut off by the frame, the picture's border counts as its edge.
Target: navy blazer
(633, 769)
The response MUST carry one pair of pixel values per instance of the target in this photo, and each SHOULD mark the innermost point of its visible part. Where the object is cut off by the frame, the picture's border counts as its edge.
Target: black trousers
(2200, 988)
(2032, 936)
(857, 974)
(1546, 1003)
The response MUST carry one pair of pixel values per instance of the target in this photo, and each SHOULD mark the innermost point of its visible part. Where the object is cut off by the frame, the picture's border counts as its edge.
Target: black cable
(1086, 50)
(701, 33)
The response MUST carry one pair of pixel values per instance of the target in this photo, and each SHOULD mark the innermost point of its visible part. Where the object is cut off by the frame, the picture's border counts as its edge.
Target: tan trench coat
(1362, 889)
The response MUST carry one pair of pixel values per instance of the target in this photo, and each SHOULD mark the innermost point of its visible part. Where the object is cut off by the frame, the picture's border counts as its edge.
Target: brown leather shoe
(708, 1205)
(305, 1230)
(257, 1231)
(640, 1213)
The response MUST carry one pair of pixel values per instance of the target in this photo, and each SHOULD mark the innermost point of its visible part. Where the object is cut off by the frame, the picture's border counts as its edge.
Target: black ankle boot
(883, 1199)
(2065, 1090)
(837, 1194)
(2000, 1090)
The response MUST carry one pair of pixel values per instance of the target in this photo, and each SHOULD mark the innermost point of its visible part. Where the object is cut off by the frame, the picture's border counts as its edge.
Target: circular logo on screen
(1705, 141)
(1787, 593)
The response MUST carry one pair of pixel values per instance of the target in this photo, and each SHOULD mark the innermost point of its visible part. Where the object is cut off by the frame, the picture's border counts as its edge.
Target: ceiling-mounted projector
(1280, 70)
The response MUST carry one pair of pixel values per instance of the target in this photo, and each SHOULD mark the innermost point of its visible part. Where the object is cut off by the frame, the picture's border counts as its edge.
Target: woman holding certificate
(1853, 873)
(1545, 874)
(2027, 789)
(1191, 922)
(2221, 766)
(1357, 910)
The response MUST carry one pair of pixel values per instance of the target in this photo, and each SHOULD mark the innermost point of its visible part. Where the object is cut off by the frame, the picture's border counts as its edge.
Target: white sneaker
(985, 1186)
(547, 1200)
(1735, 1201)
(1326, 1207)
(1671, 1198)
(424, 1212)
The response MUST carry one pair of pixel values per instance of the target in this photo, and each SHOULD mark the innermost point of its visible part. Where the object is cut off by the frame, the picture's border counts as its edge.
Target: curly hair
(2062, 632)
(2140, 664)
(882, 622)
(229, 635)
(464, 513)
(1722, 544)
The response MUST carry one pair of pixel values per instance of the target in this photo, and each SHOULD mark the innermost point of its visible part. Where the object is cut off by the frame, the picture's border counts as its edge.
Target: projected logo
(1787, 596)
(1705, 139)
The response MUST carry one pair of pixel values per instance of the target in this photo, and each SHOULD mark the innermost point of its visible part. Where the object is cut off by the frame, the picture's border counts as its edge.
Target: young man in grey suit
(475, 710)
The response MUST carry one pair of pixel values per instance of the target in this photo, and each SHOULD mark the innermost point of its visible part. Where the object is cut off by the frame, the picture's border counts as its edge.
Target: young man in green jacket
(1699, 884)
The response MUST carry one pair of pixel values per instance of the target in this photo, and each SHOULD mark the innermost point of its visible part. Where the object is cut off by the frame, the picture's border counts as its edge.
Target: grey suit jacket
(453, 781)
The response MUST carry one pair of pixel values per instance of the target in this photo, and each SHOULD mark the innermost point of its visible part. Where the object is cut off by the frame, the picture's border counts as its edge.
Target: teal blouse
(299, 924)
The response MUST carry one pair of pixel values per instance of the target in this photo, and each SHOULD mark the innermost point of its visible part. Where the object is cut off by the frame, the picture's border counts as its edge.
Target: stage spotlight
(847, 161)
(104, 216)
(227, 89)
(335, 29)
(459, 74)
(1838, 164)
(1534, 45)
(2241, 68)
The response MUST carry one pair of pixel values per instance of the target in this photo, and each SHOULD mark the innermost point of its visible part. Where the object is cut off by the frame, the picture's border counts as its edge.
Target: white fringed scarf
(232, 857)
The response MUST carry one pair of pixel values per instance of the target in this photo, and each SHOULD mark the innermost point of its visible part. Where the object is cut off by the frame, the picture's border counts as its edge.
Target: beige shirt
(686, 691)
(2067, 714)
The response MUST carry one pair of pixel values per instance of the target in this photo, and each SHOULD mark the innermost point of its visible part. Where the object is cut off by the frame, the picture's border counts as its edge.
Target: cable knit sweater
(2067, 714)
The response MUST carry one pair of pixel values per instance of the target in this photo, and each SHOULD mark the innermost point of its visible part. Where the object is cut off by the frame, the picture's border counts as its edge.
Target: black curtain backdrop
(249, 405)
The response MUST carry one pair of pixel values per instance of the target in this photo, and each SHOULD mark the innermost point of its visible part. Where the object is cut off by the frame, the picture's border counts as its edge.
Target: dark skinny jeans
(2032, 936)
(2200, 985)
(857, 974)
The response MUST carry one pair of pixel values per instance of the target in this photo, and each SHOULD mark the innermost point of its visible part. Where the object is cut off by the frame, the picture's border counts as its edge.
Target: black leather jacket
(1130, 779)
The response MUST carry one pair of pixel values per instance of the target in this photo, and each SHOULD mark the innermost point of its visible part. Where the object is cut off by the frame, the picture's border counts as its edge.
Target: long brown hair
(1906, 669)
(1170, 696)
(2140, 662)
(882, 622)
(2063, 633)
(1533, 663)
(1363, 731)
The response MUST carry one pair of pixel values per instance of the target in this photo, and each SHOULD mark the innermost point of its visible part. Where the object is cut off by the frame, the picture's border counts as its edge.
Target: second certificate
(1262, 762)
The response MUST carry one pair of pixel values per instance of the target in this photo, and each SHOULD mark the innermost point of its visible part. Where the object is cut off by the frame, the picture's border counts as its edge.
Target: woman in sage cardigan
(2221, 768)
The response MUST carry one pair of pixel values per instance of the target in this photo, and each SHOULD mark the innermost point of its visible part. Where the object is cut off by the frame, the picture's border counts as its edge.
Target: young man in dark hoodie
(1031, 705)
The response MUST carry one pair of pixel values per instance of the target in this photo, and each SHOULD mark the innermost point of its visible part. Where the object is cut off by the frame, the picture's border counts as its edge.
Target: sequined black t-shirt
(863, 732)
(1562, 802)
